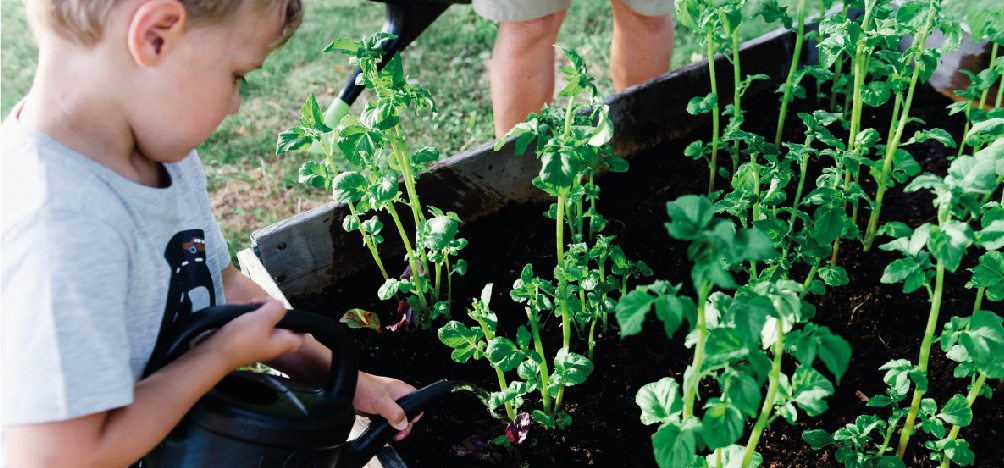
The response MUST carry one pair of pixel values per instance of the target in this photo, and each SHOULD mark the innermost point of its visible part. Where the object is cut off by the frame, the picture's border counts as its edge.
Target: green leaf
(984, 341)
(989, 273)
(442, 231)
(834, 276)
(464, 341)
(875, 93)
(312, 117)
(359, 318)
(771, 12)
(385, 189)
(425, 155)
(702, 105)
(345, 46)
(293, 139)
(828, 223)
(744, 392)
(542, 418)
(313, 174)
(723, 345)
(817, 438)
(690, 214)
(722, 423)
(810, 388)
(659, 400)
(348, 187)
(388, 289)
(570, 368)
(958, 451)
(994, 152)
(503, 354)
(992, 237)
(732, 457)
(675, 443)
(559, 169)
(631, 311)
(949, 241)
(990, 127)
(957, 411)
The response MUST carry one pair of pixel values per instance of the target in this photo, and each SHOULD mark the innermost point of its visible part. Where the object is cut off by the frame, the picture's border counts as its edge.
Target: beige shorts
(524, 10)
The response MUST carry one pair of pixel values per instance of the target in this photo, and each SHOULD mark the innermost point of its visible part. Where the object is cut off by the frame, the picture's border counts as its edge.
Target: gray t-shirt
(93, 266)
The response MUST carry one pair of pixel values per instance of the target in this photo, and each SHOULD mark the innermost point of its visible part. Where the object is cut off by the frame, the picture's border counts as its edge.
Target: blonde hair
(83, 21)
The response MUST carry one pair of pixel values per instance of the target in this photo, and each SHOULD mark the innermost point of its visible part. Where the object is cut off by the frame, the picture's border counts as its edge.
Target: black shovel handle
(359, 451)
(341, 383)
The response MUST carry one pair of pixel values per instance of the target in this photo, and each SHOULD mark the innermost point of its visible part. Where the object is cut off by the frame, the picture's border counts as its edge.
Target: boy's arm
(119, 437)
(374, 394)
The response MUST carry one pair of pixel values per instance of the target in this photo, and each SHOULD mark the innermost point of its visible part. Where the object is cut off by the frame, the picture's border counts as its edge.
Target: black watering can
(264, 421)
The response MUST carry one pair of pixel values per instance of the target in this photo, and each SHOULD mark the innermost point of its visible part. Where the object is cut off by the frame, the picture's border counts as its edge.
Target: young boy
(107, 232)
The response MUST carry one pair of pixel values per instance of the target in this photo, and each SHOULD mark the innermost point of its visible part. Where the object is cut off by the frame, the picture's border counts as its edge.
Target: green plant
(572, 146)
(374, 143)
(727, 334)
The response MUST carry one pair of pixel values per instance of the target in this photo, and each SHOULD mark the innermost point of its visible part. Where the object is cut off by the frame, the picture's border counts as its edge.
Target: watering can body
(261, 421)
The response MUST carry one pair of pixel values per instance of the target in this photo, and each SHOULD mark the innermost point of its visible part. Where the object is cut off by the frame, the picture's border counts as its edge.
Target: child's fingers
(288, 341)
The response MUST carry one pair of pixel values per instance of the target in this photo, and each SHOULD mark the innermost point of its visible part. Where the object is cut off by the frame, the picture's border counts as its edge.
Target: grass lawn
(251, 187)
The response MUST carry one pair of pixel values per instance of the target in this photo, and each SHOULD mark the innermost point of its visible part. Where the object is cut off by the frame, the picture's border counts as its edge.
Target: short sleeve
(65, 341)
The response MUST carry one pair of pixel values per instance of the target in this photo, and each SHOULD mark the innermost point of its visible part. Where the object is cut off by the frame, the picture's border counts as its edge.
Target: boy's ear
(154, 30)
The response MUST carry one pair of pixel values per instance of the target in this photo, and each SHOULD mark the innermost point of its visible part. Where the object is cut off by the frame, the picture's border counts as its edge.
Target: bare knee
(539, 30)
(624, 16)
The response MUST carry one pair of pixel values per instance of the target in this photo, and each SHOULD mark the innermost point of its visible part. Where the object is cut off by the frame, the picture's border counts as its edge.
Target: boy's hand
(252, 337)
(376, 395)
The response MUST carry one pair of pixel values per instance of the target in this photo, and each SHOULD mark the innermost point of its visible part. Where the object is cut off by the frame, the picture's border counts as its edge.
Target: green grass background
(255, 188)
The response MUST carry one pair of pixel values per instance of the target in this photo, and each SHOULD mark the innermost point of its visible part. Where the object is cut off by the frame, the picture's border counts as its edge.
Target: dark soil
(880, 322)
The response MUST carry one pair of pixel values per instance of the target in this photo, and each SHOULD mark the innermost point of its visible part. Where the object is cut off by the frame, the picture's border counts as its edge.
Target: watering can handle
(359, 451)
(341, 383)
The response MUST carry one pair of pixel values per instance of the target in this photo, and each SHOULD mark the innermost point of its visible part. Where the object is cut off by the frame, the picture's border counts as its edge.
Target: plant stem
(979, 299)
(714, 119)
(566, 329)
(925, 354)
(791, 72)
(370, 244)
(690, 392)
(592, 331)
(544, 372)
(449, 286)
(736, 96)
(803, 165)
(973, 393)
(490, 335)
(768, 403)
(888, 438)
(603, 279)
(411, 254)
(894, 144)
(840, 66)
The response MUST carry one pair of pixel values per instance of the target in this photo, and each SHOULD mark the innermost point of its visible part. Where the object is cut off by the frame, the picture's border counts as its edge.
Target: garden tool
(263, 420)
(406, 19)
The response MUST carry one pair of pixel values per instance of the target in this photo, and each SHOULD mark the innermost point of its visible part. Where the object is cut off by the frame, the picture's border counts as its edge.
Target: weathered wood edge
(306, 254)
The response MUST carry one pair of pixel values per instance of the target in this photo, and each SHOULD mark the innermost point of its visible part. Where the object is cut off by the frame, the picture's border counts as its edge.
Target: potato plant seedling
(373, 143)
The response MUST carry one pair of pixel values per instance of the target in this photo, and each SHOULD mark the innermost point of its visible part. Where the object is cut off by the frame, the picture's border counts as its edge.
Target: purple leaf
(474, 445)
(518, 429)
(405, 317)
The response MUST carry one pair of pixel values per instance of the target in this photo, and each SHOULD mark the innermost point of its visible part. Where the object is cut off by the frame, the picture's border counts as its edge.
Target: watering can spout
(358, 452)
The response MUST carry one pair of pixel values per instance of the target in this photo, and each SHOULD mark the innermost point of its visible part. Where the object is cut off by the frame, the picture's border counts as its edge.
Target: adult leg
(641, 47)
(522, 72)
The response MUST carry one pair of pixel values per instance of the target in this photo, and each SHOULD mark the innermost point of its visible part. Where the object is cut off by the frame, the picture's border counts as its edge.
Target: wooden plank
(306, 254)
(252, 268)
